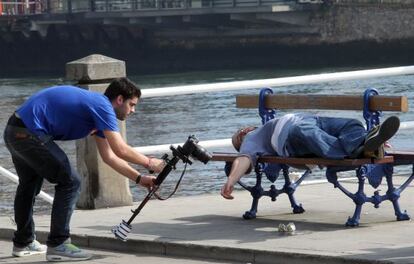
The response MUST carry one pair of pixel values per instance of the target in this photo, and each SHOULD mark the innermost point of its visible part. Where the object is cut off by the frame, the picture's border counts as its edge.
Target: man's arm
(240, 166)
(127, 153)
(120, 165)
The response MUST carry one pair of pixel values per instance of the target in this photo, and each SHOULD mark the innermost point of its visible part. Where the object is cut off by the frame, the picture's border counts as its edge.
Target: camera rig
(189, 149)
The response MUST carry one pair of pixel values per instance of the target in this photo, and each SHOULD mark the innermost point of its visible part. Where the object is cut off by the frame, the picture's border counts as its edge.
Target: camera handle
(121, 231)
(158, 181)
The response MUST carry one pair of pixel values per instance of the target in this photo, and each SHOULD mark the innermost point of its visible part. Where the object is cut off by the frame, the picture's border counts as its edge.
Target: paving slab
(210, 227)
(103, 257)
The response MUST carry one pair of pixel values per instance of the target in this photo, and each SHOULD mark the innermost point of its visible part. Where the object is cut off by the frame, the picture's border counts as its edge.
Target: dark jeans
(37, 158)
(326, 137)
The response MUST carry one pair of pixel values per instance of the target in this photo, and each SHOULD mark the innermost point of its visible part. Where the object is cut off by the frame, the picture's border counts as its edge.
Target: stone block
(101, 185)
(95, 67)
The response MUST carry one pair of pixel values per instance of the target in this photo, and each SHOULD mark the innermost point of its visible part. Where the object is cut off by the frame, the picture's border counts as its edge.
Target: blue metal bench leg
(354, 220)
(393, 194)
(253, 210)
(359, 199)
(256, 192)
(290, 188)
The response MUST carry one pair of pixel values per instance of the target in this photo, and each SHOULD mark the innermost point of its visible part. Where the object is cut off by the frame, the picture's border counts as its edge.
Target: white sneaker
(66, 252)
(33, 248)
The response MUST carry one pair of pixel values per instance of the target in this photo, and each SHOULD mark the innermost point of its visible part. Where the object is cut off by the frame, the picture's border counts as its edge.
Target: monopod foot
(121, 231)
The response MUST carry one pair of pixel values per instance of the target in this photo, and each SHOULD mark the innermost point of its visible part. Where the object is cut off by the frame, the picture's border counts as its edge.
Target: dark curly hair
(122, 86)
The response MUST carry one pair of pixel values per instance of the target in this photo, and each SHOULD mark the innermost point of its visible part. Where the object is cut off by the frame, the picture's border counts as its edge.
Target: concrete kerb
(188, 250)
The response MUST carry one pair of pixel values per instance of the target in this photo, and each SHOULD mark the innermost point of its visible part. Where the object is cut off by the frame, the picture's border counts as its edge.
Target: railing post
(101, 185)
(92, 6)
(69, 6)
(49, 6)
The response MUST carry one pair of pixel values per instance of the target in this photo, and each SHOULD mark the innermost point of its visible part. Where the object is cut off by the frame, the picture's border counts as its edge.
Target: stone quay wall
(366, 22)
(340, 33)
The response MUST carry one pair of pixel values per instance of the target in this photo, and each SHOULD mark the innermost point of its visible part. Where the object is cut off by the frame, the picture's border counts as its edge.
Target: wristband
(138, 179)
(148, 166)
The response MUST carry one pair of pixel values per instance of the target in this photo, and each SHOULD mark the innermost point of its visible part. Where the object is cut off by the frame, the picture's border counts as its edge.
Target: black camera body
(189, 149)
(192, 149)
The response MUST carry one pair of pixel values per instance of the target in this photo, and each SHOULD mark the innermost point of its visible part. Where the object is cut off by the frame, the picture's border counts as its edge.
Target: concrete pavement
(103, 257)
(208, 226)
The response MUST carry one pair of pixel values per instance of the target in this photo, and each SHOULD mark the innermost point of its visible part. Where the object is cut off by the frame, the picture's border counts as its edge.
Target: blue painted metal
(272, 170)
(257, 190)
(392, 194)
(372, 118)
(265, 113)
(373, 172)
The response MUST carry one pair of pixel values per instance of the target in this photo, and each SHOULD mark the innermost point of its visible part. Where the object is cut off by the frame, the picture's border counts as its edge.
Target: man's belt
(16, 121)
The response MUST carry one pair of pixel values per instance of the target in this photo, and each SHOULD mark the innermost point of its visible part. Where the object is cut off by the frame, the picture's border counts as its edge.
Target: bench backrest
(331, 102)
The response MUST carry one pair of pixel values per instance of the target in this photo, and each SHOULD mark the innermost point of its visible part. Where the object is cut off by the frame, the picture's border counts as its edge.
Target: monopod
(190, 148)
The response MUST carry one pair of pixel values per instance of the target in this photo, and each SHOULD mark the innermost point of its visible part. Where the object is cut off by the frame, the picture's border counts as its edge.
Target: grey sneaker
(66, 252)
(33, 248)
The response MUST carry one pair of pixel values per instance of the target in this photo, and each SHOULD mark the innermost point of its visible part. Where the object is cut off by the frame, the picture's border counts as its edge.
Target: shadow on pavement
(218, 227)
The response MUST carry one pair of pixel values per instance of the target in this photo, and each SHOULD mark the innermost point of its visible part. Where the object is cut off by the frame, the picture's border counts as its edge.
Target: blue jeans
(325, 137)
(36, 159)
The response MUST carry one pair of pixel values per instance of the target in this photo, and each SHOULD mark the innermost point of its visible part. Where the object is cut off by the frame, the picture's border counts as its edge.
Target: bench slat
(219, 156)
(333, 102)
(402, 156)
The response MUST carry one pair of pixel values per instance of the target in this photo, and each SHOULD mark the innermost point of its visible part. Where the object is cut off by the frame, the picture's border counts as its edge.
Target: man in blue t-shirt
(67, 113)
(304, 135)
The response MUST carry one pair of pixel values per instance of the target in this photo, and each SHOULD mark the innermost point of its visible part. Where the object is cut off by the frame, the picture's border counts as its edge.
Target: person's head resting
(238, 137)
(124, 95)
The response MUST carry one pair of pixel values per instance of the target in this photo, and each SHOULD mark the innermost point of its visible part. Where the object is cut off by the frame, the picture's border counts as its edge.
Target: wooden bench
(371, 104)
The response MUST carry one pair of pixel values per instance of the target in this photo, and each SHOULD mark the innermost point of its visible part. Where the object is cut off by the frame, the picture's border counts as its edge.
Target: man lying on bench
(305, 135)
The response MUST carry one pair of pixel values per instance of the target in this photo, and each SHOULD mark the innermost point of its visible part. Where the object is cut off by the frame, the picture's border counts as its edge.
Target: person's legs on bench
(325, 137)
(338, 138)
(350, 132)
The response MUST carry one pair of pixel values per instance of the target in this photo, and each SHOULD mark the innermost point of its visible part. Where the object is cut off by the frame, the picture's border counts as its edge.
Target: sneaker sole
(27, 253)
(385, 132)
(58, 258)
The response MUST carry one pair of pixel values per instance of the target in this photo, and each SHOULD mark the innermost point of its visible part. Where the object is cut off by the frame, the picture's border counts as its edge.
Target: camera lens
(191, 148)
(201, 154)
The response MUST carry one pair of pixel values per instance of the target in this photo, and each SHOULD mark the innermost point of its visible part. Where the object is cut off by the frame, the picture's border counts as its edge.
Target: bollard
(101, 185)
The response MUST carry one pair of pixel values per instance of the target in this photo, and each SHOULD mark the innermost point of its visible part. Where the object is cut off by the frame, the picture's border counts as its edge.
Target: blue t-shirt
(67, 113)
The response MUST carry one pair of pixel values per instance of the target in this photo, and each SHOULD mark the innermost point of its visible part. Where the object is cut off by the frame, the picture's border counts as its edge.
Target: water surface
(209, 116)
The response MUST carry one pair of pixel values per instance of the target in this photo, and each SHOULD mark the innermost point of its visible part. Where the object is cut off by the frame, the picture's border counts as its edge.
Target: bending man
(301, 135)
(67, 113)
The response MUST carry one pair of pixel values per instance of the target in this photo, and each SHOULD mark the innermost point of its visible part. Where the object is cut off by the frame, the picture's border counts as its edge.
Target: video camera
(189, 149)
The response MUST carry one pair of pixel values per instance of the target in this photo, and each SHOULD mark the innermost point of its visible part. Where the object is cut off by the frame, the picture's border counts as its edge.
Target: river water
(209, 116)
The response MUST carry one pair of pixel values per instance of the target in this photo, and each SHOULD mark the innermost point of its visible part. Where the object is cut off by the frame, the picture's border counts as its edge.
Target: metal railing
(17, 7)
(33, 7)
(15, 179)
